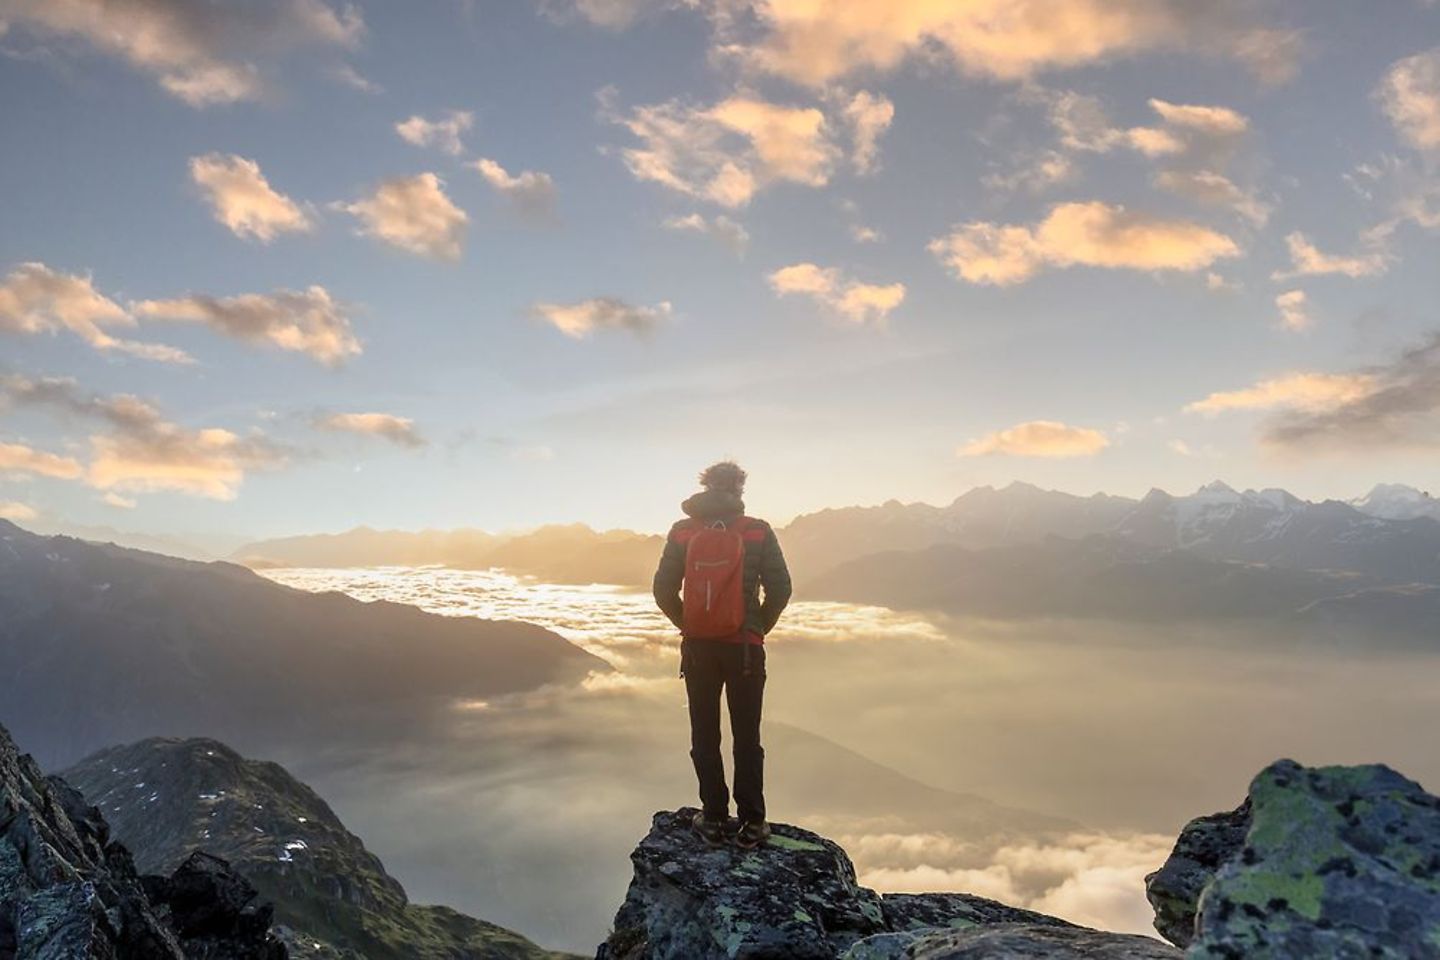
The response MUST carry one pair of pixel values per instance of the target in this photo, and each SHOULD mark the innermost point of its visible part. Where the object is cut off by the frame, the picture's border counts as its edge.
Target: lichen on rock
(797, 898)
(1335, 862)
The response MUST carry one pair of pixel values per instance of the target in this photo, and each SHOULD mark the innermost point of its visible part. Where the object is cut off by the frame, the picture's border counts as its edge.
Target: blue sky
(871, 250)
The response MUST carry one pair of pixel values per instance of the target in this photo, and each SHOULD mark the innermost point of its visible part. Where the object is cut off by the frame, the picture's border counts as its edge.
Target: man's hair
(725, 475)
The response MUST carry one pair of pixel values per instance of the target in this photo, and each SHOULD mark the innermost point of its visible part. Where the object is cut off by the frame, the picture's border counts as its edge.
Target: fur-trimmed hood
(713, 505)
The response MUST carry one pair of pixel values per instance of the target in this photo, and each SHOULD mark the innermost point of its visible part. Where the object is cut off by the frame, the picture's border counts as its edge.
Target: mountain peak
(1217, 488)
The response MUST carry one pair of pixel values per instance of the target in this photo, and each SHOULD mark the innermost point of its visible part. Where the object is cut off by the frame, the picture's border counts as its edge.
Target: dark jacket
(764, 565)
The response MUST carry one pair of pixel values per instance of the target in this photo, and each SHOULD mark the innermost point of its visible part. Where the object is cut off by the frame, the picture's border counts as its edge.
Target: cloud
(35, 299)
(532, 193)
(857, 302)
(1394, 405)
(1311, 392)
(398, 430)
(816, 42)
(243, 200)
(1208, 120)
(1092, 879)
(1216, 283)
(307, 321)
(1307, 261)
(1090, 234)
(1294, 310)
(142, 452)
(348, 75)
(726, 152)
(612, 14)
(16, 511)
(732, 235)
(1410, 96)
(113, 499)
(18, 458)
(1204, 132)
(868, 116)
(443, 134)
(414, 214)
(198, 51)
(579, 320)
(1033, 174)
(1215, 190)
(1038, 438)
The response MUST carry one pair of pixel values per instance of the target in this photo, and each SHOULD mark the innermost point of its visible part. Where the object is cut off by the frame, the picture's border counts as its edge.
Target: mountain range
(1391, 533)
(100, 643)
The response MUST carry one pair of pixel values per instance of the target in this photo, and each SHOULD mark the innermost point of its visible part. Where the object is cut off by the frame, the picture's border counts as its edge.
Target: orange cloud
(36, 299)
(243, 200)
(1314, 392)
(413, 214)
(1410, 95)
(1090, 234)
(579, 320)
(19, 458)
(816, 42)
(855, 301)
(1039, 438)
(196, 51)
(726, 152)
(305, 321)
(1307, 261)
(398, 430)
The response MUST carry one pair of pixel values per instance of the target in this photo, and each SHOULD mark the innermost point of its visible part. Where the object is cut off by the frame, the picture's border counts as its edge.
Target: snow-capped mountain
(1217, 522)
(1396, 501)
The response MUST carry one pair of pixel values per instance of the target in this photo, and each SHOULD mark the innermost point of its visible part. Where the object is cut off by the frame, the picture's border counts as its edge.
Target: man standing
(723, 560)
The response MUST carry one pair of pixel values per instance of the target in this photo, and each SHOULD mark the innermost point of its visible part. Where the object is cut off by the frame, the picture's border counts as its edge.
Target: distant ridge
(99, 643)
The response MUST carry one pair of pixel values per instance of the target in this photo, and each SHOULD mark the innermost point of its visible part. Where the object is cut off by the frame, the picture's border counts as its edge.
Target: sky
(296, 265)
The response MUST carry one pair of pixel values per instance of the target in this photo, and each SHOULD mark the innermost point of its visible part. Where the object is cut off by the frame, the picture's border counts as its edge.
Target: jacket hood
(713, 505)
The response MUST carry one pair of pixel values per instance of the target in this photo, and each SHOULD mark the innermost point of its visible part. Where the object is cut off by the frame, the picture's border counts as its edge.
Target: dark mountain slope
(99, 643)
(166, 798)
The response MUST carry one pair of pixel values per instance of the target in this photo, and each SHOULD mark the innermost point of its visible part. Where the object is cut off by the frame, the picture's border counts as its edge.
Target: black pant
(709, 666)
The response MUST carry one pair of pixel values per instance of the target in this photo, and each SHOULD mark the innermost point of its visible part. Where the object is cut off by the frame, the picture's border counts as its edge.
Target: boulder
(1337, 862)
(1204, 845)
(797, 898)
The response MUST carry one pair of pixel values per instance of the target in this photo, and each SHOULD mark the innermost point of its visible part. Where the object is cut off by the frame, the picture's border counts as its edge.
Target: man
(723, 560)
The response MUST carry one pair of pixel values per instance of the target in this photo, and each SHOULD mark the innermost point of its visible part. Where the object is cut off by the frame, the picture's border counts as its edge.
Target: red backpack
(715, 581)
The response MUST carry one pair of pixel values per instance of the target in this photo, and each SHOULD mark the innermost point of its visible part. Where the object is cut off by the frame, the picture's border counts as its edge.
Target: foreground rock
(797, 898)
(168, 798)
(1332, 862)
(67, 892)
(1204, 846)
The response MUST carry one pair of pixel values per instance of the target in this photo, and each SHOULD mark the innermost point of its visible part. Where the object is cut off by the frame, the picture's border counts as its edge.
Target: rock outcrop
(797, 898)
(168, 798)
(68, 892)
(1334, 862)
(1204, 846)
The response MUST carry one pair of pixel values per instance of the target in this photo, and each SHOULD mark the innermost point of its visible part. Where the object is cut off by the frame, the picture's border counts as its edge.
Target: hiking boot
(752, 834)
(709, 829)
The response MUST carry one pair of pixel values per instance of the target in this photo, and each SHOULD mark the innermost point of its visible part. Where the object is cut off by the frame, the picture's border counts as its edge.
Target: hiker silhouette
(716, 564)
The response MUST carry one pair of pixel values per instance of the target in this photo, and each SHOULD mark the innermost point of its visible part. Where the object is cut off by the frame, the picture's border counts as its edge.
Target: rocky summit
(797, 898)
(1329, 862)
(68, 892)
(168, 798)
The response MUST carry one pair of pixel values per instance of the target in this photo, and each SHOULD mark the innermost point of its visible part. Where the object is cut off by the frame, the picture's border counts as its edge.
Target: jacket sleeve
(775, 579)
(668, 578)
